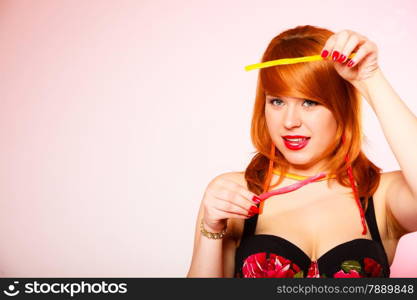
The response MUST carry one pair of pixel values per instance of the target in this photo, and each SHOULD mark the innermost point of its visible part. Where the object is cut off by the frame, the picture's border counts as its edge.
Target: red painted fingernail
(335, 55)
(324, 53)
(256, 199)
(254, 210)
(350, 64)
(341, 58)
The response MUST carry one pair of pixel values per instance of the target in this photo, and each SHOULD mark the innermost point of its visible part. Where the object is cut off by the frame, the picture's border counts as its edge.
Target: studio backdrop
(115, 115)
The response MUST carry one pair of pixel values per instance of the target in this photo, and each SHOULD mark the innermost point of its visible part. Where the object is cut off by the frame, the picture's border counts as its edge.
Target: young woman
(306, 120)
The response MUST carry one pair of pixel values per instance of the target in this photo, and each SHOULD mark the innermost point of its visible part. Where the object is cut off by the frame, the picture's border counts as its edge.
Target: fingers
(233, 201)
(342, 44)
(350, 45)
(336, 43)
(231, 208)
(363, 51)
(229, 215)
(225, 198)
(242, 191)
(236, 198)
(328, 47)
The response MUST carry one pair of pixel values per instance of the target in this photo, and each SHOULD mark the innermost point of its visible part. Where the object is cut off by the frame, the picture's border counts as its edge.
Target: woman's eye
(310, 103)
(278, 101)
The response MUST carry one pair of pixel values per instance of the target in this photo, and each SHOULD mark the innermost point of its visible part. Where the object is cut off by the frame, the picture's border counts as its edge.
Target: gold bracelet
(212, 235)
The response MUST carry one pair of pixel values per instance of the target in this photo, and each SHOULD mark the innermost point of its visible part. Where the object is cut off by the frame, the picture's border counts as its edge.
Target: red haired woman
(306, 120)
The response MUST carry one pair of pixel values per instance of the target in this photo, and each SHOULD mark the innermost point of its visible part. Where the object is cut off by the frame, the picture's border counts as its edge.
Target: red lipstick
(295, 142)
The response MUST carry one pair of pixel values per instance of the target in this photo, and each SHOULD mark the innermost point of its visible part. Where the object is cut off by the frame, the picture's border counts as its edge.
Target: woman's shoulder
(390, 176)
(236, 176)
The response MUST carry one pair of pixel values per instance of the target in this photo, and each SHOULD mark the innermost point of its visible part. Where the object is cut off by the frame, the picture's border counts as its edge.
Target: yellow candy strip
(287, 61)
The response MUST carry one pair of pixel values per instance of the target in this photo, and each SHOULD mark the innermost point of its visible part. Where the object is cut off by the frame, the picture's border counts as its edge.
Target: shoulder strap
(371, 220)
(250, 226)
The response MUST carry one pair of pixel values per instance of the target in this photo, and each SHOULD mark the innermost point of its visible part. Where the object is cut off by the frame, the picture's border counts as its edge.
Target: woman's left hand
(365, 62)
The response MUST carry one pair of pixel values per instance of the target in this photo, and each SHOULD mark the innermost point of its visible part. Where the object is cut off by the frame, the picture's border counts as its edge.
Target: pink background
(115, 115)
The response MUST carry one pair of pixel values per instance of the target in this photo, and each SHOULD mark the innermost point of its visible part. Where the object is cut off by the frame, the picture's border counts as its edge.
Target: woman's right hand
(225, 199)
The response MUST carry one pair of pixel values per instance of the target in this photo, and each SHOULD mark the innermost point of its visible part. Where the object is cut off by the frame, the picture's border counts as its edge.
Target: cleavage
(313, 238)
(311, 217)
(304, 254)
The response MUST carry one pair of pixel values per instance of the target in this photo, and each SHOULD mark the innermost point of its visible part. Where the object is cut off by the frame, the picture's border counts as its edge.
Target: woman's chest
(314, 224)
(316, 219)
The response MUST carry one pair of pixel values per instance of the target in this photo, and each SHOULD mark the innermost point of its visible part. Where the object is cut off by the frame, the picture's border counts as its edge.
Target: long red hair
(317, 81)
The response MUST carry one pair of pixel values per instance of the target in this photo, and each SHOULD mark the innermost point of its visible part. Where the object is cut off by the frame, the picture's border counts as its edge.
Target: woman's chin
(301, 162)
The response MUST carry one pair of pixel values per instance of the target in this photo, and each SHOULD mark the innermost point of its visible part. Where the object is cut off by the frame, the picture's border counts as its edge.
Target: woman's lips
(296, 143)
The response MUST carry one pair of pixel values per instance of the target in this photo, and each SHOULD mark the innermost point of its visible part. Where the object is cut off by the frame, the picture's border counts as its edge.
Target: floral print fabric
(261, 265)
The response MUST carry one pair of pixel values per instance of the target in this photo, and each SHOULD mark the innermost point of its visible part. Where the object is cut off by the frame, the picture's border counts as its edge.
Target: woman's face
(301, 129)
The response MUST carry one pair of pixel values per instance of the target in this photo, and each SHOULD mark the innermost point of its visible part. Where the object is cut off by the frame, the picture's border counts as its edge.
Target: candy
(288, 189)
(287, 61)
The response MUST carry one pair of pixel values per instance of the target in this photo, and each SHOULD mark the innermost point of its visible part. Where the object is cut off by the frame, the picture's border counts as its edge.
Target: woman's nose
(292, 118)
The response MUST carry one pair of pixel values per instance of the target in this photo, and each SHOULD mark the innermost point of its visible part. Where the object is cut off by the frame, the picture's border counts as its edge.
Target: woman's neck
(308, 171)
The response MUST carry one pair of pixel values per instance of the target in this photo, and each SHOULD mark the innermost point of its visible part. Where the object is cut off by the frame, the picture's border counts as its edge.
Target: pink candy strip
(288, 189)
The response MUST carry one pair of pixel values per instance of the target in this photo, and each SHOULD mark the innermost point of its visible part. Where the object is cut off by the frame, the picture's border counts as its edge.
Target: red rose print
(313, 270)
(372, 268)
(259, 266)
(351, 274)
